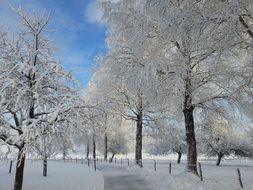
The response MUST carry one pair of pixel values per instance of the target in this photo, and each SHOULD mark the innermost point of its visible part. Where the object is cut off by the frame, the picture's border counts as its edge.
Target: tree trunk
(45, 166)
(179, 157)
(246, 26)
(64, 154)
(191, 141)
(138, 147)
(220, 155)
(106, 147)
(94, 146)
(189, 122)
(112, 157)
(88, 149)
(19, 171)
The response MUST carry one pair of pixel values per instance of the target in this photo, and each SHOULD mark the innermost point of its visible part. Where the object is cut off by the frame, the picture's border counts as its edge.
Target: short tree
(218, 139)
(117, 144)
(167, 138)
(47, 146)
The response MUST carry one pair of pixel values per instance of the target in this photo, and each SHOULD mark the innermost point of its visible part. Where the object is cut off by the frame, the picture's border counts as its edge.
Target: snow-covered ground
(77, 176)
(223, 177)
(61, 176)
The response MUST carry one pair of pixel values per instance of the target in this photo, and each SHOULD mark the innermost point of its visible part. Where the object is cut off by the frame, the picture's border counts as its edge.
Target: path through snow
(117, 178)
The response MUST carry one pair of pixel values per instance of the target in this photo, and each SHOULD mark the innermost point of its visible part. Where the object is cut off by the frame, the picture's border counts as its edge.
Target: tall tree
(195, 39)
(35, 89)
(132, 89)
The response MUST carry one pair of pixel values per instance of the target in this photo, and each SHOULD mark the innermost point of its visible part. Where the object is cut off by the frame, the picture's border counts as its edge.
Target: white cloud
(92, 13)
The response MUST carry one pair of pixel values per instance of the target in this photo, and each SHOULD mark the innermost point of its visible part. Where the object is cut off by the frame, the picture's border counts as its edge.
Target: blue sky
(80, 34)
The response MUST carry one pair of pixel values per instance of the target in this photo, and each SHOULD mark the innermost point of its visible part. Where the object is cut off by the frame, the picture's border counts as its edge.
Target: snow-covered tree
(197, 40)
(132, 88)
(103, 115)
(65, 142)
(36, 91)
(217, 138)
(46, 147)
(93, 125)
(167, 138)
(186, 47)
(6, 151)
(117, 144)
(81, 141)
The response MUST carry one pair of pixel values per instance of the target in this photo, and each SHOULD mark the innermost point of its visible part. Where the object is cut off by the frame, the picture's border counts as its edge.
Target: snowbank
(61, 176)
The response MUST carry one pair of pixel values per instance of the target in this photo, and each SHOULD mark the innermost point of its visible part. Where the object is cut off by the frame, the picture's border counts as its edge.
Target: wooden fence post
(10, 167)
(128, 161)
(170, 168)
(115, 160)
(76, 160)
(239, 177)
(154, 165)
(200, 172)
(88, 162)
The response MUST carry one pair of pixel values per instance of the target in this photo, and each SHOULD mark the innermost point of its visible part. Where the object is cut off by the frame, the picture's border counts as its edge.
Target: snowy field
(222, 177)
(77, 176)
(215, 178)
(61, 176)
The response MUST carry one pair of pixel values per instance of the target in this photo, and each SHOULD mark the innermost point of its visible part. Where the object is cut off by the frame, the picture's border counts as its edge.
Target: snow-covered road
(117, 178)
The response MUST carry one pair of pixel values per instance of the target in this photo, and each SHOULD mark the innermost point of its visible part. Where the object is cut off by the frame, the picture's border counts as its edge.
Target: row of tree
(176, 59)
(215, 138)
(42, 112)
(169, 63)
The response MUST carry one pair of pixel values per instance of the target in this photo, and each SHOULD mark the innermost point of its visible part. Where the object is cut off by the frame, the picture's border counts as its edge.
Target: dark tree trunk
(45, 166)
(19, 171)
(191, 141)
(179, 153)
(94, 146)
(64, 154)
(246, 26)
(220, 155)
(189, 123)
(106, 147)
(138, 147)
(112, 157)
(88, 149)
